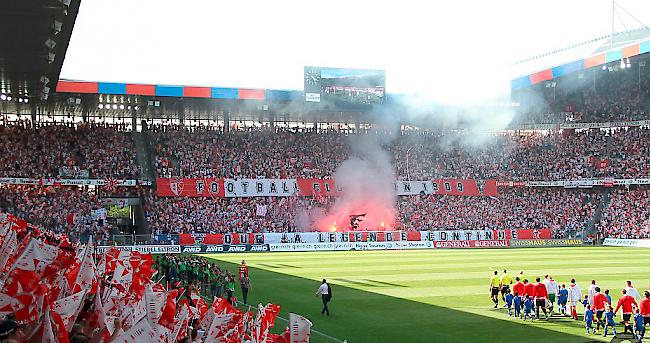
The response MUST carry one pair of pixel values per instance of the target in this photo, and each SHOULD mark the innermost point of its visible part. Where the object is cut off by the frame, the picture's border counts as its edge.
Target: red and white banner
(234, 188)
(465, 187)
(472, 244)
(362, 236)
(194, 187)
(534, 234)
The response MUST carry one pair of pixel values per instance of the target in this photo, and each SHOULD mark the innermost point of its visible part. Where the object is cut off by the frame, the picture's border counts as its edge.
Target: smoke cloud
(366, 180)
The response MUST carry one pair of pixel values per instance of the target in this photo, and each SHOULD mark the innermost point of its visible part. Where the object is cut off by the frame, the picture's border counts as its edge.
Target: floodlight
(50, 44)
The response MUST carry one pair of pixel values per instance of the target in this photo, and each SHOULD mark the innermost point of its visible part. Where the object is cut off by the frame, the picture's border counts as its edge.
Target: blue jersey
(562, 295)
(589, 316)
(509, 298)
(528, 305)
(609, 299)
(609, 316)
(585, 302)
(638, 322)
(517, 301)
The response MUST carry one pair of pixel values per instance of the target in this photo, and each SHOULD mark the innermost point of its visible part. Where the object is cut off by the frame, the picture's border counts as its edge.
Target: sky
(448, 50)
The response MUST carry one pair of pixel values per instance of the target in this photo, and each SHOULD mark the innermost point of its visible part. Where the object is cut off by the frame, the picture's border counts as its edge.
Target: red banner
(534, 234)
(471, 244)
(194, 187)
(466, 187)
(220, 238)
(316, 187)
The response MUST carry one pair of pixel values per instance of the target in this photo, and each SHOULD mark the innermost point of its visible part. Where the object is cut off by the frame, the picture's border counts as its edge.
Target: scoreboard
(344, 88)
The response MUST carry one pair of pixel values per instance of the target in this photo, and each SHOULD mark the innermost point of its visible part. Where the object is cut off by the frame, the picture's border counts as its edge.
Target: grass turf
(431, 295)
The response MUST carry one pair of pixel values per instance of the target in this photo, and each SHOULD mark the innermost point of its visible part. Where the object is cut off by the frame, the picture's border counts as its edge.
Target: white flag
(139, 333)
(299, 328)
(68, 308)
(261, 210)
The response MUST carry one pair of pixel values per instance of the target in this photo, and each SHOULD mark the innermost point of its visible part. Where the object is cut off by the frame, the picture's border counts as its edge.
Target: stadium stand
(185, 151)
(627, 215)
(43, 150)
(615, 95)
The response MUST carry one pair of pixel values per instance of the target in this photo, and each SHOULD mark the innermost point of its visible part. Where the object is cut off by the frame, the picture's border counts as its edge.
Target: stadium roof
(585, 55)
(34, 39)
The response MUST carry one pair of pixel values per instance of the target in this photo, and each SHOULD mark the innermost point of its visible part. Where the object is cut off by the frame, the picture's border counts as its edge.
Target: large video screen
(344, 88)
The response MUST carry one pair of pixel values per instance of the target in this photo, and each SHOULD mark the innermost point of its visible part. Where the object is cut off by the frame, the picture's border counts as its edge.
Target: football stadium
(294, 172)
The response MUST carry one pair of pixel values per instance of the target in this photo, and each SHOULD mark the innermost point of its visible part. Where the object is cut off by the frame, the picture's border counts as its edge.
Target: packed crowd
(179, 151)
(55, 291)
(196, 152)
(613, 96)
(627, 215)
(75, 211)
(416, 155)
(529, 299)
(221, 215)
(44, 150)
(566, 212)
(205, 152)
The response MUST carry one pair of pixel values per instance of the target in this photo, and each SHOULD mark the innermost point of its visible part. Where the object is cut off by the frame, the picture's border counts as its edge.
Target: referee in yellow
(506, 281)
(495, 282)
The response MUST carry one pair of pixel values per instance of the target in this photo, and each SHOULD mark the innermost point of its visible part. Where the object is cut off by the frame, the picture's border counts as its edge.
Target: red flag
(169, 310)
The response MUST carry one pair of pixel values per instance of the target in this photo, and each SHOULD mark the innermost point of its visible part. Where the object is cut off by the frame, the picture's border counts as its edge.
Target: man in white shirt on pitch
(325, 291)
(631, 291)
(574, 298)
(551, 289)
(591, 293)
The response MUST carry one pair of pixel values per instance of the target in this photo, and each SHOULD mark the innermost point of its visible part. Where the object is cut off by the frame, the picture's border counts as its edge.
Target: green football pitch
(431, 295)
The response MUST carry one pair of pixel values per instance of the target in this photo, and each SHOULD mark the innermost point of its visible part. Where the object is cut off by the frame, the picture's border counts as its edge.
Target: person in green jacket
(230, 290)
(182, 267)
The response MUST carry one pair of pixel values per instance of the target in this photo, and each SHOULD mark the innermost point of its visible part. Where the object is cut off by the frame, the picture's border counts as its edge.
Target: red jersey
(626, 302)
(540, 290)
(529, 289)
(243, 270)
(645, 307)
(518, 288)
(599, 301)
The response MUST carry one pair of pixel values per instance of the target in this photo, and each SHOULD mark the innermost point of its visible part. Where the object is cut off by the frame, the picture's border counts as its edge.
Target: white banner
(19, 181)
(260, 187)
(343, 246)
(586, 183)
(413, 187)
(70, 182)
(143, 249)
(632, 123)
(467, 235)
(620, 242)
(332, 237)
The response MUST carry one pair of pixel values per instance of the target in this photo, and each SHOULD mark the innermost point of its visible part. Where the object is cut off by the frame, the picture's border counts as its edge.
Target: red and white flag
(141, 332)
(264, 322)
(36, 256)
(68, 308)
(299, 328)
(8, 248)
(87, 271)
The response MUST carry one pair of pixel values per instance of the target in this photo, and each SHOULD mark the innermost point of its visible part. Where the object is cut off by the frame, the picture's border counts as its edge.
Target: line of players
(526, 297)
